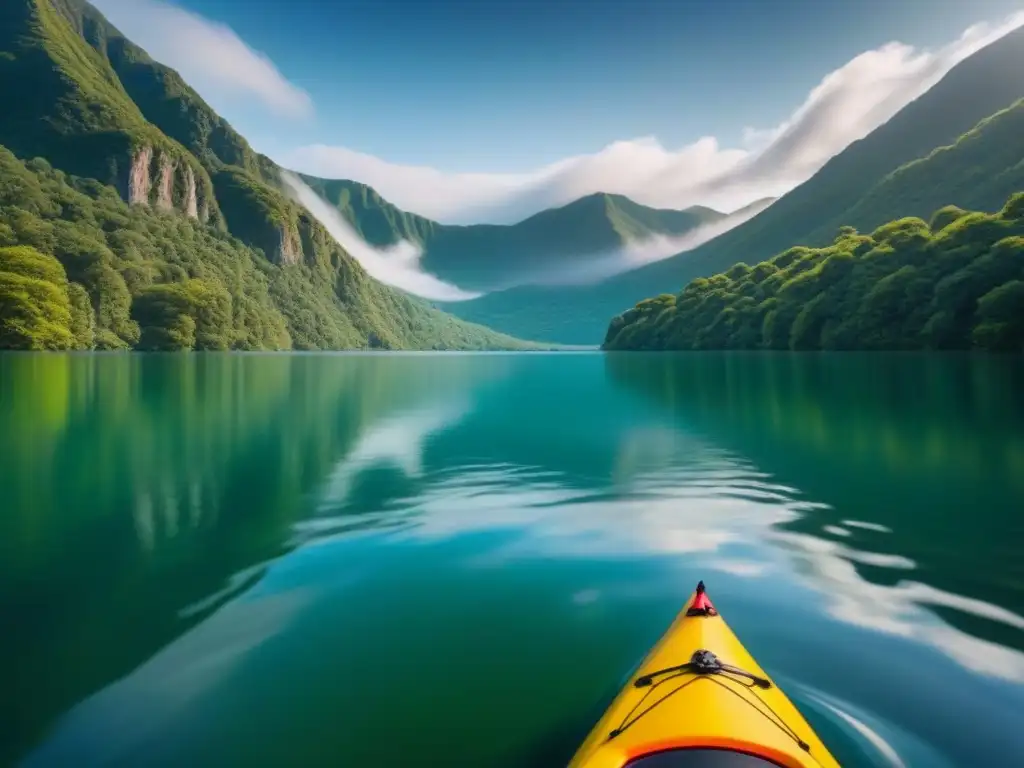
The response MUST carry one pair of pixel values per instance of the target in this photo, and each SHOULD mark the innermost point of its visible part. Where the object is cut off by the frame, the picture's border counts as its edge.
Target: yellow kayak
(699, 699)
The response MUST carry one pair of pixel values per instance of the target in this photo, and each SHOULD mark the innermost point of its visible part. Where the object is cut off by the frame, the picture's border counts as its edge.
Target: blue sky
(508, 85)
(488, 110)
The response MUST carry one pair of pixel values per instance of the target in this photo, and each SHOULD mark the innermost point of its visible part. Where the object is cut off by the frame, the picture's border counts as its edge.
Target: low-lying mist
(640, 253)
(399, 265)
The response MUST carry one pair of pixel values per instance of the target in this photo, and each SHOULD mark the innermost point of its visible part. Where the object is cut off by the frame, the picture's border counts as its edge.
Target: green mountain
(954, 283)
(146, 221)
(872, 181)
(978, 171)
(484, 257)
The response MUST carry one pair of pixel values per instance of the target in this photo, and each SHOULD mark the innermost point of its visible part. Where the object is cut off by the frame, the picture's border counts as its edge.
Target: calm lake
(454, 560)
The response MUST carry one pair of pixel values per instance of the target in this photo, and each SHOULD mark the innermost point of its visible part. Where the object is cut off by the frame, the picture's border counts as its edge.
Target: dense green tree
(82, 324)
(35, 310)
(193, 314)
(1001, 318)
(953, 284)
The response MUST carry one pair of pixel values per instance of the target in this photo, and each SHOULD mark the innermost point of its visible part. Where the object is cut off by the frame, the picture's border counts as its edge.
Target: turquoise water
(419, 560)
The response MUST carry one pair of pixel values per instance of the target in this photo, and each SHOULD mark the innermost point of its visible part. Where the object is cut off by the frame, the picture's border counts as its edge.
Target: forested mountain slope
(978, 172)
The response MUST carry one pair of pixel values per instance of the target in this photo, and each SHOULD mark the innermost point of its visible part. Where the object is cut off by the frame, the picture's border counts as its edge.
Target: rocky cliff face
(191, 205)
(165, 185)
(138, 177)
(154, 178)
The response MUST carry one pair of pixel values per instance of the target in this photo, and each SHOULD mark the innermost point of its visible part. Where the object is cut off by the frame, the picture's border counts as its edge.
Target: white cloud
(624, 167)
(397, 265)
(847, 105)
(208, 55)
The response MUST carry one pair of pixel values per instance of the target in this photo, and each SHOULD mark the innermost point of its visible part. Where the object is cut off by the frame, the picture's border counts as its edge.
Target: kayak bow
(699, 699)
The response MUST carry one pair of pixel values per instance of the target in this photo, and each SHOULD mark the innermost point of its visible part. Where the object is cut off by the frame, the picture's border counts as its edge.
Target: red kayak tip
(702, 605)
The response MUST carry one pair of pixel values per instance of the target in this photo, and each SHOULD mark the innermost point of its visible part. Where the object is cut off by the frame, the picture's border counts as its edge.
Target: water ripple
(875, 742)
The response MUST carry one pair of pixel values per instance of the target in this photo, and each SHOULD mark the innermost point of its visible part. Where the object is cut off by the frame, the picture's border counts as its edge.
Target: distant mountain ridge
(489, 256)
(486, 257)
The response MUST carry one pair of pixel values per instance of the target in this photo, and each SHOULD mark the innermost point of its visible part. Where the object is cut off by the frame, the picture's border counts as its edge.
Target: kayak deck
(699, 689)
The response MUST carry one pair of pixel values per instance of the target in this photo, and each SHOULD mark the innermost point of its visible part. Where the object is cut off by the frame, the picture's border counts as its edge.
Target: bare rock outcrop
(290, 248)
(156, 178)
(191, 205)
(165, 184)
(139, 181)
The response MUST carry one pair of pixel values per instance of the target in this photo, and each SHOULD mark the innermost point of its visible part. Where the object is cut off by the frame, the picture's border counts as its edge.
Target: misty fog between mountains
(398, 265)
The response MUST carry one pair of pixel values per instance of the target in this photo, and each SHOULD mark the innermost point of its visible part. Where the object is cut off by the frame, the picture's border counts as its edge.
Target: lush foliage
(953, 284)
(36, 310)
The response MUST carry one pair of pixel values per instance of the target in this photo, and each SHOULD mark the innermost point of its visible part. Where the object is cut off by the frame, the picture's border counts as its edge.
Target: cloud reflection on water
(395, 441)
(900, 609)
(676, 495)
